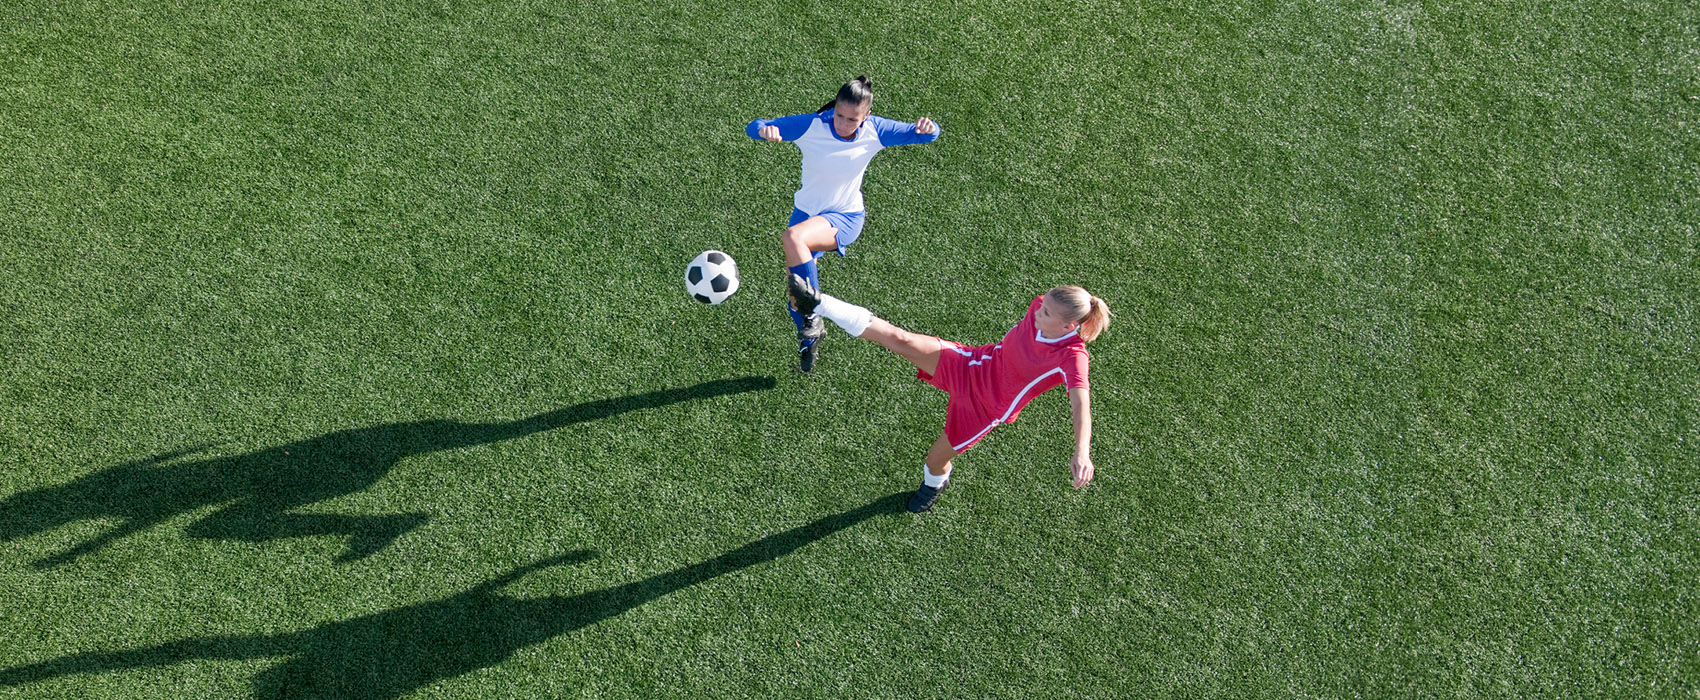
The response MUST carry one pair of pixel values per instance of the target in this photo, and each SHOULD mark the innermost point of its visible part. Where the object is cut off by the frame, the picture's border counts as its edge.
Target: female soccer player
(837, 143)
(987, 384)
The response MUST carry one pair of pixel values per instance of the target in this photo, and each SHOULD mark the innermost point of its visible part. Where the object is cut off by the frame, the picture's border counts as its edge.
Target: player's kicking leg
(919, 349)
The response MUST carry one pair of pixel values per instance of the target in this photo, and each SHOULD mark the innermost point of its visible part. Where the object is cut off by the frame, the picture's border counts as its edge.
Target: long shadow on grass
(261, 488)
(395, 652)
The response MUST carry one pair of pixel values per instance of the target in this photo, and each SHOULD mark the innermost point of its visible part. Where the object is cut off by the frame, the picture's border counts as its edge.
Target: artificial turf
(346, 352)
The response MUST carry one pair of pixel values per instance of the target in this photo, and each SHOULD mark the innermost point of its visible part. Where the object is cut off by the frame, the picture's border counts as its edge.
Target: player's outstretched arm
(896, 133)
(1080, 403)
(782, 129)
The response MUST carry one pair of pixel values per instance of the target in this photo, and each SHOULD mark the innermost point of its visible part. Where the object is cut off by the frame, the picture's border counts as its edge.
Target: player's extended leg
(919, 349)
(800, 242)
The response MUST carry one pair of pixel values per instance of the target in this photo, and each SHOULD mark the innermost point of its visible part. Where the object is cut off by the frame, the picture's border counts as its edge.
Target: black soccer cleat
(804, 296)
(923, 499)
(808, 343)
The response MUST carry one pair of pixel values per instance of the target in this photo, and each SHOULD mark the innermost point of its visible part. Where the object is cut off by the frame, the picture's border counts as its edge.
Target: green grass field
(346, 352)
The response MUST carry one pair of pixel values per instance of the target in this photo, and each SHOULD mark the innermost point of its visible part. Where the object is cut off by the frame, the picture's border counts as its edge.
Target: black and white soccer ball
(711, 277)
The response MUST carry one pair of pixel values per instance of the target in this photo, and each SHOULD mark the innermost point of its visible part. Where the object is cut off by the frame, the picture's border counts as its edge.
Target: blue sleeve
(896, 133)
(790, 128)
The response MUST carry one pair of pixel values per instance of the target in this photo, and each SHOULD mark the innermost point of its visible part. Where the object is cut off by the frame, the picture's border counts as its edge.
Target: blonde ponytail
(1079, 305)
(1097, 319)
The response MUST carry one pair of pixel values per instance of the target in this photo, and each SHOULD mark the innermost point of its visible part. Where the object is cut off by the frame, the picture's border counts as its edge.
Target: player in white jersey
(837, 143)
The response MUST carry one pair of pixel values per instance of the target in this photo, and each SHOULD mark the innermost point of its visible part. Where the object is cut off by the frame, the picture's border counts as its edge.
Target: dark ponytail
(854, 92)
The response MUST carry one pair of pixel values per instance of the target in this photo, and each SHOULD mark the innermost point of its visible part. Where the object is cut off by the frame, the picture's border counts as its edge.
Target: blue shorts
(849, 225)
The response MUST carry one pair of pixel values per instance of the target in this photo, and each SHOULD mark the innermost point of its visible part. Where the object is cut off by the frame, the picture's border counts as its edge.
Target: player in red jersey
(988, 384)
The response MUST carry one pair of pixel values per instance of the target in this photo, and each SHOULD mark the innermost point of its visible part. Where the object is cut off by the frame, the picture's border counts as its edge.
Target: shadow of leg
(367, 534)
(129, 527)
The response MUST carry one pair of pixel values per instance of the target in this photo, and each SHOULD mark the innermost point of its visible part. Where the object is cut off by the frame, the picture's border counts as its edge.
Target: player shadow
(259, 490)
(395, 652)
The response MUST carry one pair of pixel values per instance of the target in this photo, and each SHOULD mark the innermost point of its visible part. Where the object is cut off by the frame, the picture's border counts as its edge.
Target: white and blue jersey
(833, 167)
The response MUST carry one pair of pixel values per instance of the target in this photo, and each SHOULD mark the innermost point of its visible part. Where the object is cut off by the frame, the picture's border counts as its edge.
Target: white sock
(852, 318)
(931, 479)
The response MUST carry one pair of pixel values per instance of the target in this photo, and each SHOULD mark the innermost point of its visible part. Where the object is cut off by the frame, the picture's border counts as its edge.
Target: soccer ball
(711, 277)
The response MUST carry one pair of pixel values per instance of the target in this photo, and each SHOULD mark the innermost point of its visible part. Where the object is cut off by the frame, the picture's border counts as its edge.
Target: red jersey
(990, 384)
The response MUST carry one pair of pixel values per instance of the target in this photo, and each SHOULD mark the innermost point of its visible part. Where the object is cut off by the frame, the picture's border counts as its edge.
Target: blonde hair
(1077, 304)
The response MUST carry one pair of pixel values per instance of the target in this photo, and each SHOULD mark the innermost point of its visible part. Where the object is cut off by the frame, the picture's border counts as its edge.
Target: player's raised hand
(925, 126)
(1082, 468)
(770, 132)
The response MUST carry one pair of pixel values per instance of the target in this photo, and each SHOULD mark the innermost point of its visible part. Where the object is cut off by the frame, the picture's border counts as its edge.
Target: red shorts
(966, 420)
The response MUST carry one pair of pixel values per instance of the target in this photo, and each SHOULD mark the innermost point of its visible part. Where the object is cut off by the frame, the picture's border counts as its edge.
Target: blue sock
(810, 272)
